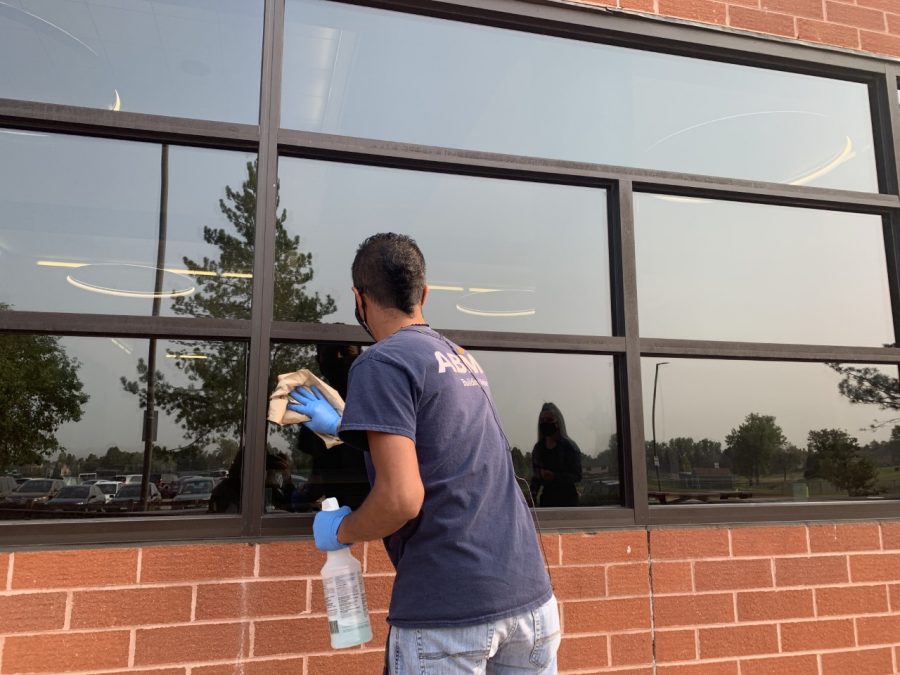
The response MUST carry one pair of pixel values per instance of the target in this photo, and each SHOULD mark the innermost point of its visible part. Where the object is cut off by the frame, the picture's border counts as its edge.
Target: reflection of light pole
(653, 422)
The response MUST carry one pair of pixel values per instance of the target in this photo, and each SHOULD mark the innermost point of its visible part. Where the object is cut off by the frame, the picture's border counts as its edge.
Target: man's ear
(424, 295)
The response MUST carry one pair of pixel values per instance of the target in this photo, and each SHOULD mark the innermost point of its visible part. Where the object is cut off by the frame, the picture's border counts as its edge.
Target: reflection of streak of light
(50, 24)
(128, 294)
(121, 345)
(173, 270)
(12, 132)
(508, 313)
(170, 355)
(118, 104)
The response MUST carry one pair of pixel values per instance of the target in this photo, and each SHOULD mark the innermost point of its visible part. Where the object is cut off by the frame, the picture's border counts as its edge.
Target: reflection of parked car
(108, 488)
(193, 490)
(35, 491)
(128, 498)
(78, 498)
(7, 484)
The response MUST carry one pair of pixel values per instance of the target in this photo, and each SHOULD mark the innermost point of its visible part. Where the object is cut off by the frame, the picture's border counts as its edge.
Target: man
(471, 594)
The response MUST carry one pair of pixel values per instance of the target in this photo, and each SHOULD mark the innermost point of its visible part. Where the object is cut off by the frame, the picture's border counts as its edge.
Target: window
(656, 240)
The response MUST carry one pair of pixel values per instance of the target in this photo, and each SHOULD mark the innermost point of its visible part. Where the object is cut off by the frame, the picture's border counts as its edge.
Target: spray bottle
(345, 597)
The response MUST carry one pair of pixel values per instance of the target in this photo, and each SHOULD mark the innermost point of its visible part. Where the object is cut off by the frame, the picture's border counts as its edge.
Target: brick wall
(867, 25)
(743, 601)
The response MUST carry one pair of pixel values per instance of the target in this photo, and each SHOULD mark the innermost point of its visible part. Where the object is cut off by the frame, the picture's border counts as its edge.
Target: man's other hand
(323, 418)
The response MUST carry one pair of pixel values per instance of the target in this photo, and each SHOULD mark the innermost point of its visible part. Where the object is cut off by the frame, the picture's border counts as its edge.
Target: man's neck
(390, 321)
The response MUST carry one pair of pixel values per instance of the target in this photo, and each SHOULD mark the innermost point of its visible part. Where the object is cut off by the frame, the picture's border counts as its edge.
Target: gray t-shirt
(472, 554)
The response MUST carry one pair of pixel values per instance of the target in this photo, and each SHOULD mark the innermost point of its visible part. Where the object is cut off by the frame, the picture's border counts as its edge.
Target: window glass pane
(72, 411)
(370, 73)
(501, 255)
(83, 222)
(576, 464)
(199, 58)
(727, 271)
(742, 431)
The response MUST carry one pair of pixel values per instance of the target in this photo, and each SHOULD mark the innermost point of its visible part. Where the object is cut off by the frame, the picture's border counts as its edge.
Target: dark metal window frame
(270, 141)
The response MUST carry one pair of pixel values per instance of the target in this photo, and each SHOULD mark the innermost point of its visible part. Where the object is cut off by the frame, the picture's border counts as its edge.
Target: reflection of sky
(199, 58)
(111, 415)
(347, 70)
(544, 244)
(709, 398)
(727, 271)
(70, 199)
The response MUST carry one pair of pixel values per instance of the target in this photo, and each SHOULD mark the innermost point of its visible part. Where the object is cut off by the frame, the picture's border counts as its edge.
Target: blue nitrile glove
(322, 417)
(325, 529)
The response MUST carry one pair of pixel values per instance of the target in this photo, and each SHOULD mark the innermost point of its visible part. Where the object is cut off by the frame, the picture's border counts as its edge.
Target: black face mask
(361, 320)
(548, 428)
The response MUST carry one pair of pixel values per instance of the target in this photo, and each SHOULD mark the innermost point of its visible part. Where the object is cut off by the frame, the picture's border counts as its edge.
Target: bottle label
(345, 601)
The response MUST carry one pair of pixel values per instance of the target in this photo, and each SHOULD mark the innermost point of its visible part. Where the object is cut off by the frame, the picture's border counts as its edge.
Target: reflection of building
(595, 190)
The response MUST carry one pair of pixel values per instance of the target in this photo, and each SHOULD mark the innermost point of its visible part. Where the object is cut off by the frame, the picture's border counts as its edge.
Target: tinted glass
(501, 255)
(377, 74)
(199, 58)
(739, 431)
(76, 406)
(576, 464)
(80, 227)
(728, 271)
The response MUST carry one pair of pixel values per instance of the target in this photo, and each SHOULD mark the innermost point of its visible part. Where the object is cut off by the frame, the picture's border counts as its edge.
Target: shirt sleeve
(380, 397)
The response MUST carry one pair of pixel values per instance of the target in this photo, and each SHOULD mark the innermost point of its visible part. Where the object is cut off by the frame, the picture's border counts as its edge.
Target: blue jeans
(525, 643)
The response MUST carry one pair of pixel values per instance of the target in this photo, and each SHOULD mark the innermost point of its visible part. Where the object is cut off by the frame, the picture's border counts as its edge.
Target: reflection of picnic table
(705, 497)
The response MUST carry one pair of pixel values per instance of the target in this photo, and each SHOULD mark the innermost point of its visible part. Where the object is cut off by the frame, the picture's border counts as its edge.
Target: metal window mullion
(664, 347)
(634, 463)
(263, 272)
(109, 325)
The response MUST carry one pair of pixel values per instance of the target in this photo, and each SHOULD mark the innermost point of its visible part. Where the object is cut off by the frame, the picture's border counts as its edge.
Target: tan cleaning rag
(278, 401)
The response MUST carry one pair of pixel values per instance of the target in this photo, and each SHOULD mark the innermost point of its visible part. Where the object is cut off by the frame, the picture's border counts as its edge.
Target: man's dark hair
(390, 269)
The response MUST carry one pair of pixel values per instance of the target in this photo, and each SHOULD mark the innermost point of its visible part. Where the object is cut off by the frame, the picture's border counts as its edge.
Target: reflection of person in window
(555, 461)
(339, 471)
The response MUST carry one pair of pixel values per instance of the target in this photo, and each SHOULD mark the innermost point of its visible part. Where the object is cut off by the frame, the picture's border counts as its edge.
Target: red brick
(895, 597)
(378, 621)
(604, 547)
(251, 599)
(65, 652)
(831, 569)
(809, 8)
(878, 630)
(627, 579)
(180, 644)
(849, 15)
(875, 567)
(671, 577)
(638, 5)
(629, 649)
(716, 668)
(364, 663)
(768, 541)
(772, 605)
(581, 653)
(779, 665)
(879, 43)
(676, 645)
(606, 615)
(688, 543)
(893, 26)
(131, 607)
(761, 21)
(890, 532)
(4, 569)
(292, 636)
(720, 575)
(820, 634)
(846, 537)
(196, 563)
(578, 583)
(694, 10)
(32, 612)
(717, 643)
(851, 600)
(886, 5)
(376, 561)
(860, 662)
(691, 610)
(64, 569)
(827, 33)
(298, 558)
(268, 667)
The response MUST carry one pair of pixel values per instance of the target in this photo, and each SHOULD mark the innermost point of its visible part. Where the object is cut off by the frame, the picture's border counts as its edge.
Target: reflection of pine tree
(39, 391)
(212, 404)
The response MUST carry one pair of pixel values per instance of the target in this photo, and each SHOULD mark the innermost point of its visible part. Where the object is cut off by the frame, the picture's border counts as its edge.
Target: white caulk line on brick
(193, 603)
(67, 623)
(140, 558)
(132, 645)
(9, 571)
(256, 560)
